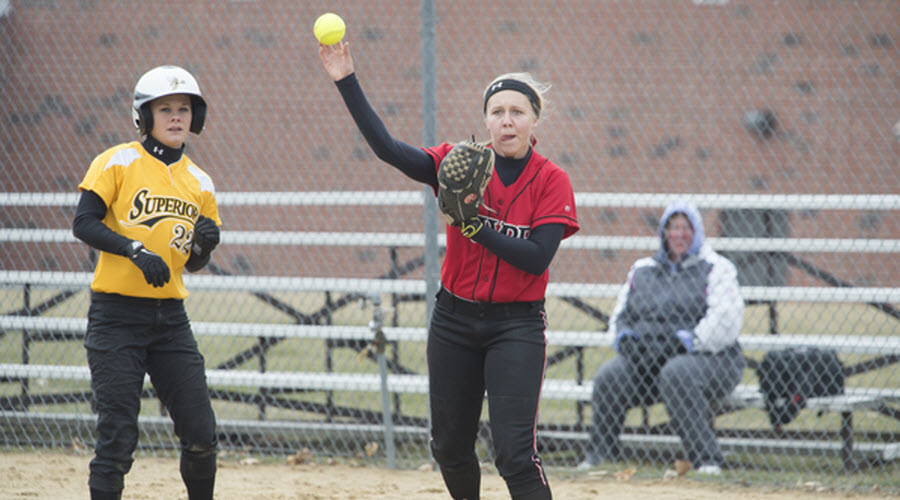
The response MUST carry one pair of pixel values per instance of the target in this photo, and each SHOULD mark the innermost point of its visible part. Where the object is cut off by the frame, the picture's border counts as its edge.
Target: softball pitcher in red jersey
(487, 330)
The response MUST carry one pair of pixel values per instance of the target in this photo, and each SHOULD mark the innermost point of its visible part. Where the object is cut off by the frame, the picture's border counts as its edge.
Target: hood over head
(693, 214)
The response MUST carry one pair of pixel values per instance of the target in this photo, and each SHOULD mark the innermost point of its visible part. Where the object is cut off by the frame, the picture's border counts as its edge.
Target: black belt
(127, 300)
(486, 309)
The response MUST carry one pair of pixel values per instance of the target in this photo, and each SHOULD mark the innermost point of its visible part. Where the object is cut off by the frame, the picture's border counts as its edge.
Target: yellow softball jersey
(153, 203)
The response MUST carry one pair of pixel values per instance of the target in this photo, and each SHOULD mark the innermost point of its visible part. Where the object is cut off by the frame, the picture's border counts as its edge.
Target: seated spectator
(675, 325)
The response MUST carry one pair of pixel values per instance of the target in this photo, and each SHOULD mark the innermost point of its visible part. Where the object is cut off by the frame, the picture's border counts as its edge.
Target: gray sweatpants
(686, 384)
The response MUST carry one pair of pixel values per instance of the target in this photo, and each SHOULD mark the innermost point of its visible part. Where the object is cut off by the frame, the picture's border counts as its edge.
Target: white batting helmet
(161, 81)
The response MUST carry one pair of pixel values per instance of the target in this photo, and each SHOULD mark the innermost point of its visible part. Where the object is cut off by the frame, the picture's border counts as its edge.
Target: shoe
(710, 469)
(593, 461)
(586, 465)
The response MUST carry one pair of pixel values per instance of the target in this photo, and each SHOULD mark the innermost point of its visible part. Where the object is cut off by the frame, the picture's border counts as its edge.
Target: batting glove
(687, 338)
(155, 270)
(625, 336)
(206, 236)
(471, 227)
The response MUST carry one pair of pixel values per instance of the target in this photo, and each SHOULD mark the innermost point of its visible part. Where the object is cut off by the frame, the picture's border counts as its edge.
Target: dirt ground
(62, 476)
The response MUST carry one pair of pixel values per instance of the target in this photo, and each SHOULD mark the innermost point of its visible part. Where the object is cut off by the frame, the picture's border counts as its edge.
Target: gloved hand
(625, 336)
(206, 236)
(463, 177)
(687, 338)
(155, 269)
(471, 227)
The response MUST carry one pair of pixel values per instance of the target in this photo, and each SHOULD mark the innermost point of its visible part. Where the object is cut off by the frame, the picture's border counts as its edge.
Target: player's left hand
(337, 59)
(206, 236)
(463, 177)
(470, 227)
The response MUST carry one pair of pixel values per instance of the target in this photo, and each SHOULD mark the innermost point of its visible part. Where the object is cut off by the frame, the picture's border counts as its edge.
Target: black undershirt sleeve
(197, 262)
(532, 255)
(412, 161)
(88, 226)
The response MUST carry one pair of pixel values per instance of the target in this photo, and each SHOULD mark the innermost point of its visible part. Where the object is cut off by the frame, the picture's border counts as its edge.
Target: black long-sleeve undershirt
(532, 255)
(88, 226)
(412, 161)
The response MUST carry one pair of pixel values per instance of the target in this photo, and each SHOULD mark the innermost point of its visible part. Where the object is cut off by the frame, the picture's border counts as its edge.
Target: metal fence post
(380, 342)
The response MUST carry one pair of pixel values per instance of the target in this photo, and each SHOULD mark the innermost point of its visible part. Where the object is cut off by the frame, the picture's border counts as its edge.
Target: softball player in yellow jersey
(152, 213)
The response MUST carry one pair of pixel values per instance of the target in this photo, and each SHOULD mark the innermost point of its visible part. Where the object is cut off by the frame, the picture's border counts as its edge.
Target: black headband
(518, 87)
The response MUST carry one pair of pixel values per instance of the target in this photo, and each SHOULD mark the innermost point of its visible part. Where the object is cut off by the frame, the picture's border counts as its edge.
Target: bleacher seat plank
(851, 344)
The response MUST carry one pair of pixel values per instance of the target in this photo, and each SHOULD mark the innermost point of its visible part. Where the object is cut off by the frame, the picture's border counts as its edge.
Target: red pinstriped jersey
(542, 194)
(152, 203)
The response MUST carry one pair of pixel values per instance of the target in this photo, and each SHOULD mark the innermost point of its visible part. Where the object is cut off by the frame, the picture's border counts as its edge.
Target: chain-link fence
(774, 118)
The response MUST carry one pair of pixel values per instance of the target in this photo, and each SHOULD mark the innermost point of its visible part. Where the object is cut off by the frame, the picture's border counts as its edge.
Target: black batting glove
(206, 236)
(470, 227)
(155, 269)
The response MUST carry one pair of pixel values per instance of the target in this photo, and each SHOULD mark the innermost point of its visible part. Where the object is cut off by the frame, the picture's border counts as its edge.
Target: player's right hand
(155, 269)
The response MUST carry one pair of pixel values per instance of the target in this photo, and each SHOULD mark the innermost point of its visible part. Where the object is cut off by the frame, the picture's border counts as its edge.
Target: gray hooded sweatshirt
(700, 294)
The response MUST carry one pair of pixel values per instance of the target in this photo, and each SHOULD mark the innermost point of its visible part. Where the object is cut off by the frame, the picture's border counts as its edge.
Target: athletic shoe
(592, 461)
(710, 469)
(586, 465)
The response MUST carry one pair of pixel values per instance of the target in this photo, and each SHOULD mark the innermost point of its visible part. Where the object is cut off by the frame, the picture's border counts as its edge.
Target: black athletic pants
(126, 338)
(500, 348)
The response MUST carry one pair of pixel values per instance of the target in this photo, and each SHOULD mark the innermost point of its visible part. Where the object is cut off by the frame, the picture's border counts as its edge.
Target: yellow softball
(329, 29)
